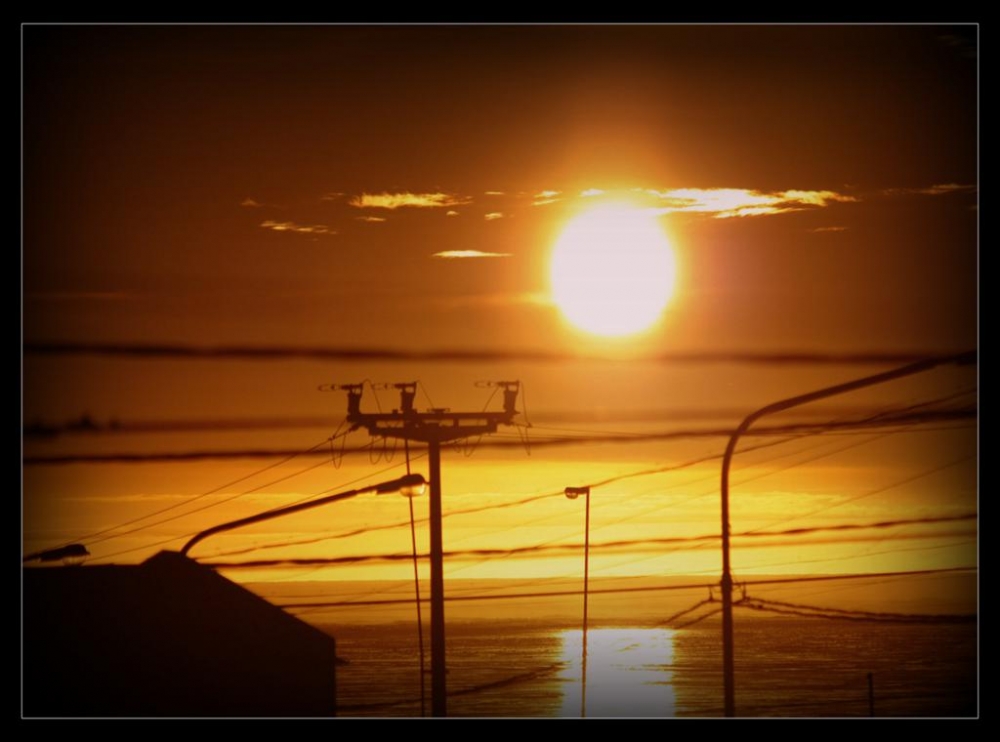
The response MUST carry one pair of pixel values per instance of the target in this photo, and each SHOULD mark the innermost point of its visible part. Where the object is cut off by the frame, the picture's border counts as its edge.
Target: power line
(659, 508)
(88, 539)
(85, 424)
(618, 544)
(759, 605)
(877, 491)
(205, 507)
(503, 505)
(535, 498)
(908, 419)
(188, 535)
(875, 615)
(636, 589)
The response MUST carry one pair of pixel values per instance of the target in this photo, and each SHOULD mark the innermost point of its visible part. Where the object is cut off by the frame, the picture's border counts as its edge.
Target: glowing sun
(612, 270)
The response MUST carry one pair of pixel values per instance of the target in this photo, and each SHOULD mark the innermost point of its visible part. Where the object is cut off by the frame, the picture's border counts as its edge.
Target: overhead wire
(909, 419)
(91, 538)
(775, 607)
(292, 456)
(86, 425)
(309, 497)
(616, 544)
(902, 574)
(522, 501)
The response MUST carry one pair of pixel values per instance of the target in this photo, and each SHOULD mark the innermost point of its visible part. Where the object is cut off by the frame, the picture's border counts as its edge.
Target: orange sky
(402, 188)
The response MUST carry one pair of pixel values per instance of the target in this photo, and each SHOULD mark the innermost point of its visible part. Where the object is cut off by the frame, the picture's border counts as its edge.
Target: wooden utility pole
(433, 427)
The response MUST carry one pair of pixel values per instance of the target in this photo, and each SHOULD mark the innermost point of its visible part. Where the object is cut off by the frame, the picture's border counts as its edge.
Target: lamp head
(409, 485)
(574, 492)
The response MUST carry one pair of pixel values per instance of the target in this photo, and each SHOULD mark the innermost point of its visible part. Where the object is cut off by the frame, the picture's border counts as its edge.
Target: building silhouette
(166, 638)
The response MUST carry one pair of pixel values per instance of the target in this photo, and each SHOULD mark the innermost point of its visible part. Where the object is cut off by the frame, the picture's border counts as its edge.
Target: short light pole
(409, 485)
(572, 493)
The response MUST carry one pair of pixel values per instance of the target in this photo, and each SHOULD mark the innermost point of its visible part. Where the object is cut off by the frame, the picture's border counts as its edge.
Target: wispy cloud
(452, 254)
(300, 228)
(493, 215)
(829, 229)
(400, 200)
(724, 203)
(494, 193)
(934, 190)
(252, 203)
(546, 197)
(331, 196)
(451, 212)
(370, 218)
(591, 192)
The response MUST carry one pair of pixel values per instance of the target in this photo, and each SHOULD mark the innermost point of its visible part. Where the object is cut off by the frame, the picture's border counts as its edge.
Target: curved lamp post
(408, 485)
(785, 404)
(572, 493)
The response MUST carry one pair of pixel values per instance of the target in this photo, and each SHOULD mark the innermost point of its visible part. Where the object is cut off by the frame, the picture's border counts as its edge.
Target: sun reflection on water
(629, 672)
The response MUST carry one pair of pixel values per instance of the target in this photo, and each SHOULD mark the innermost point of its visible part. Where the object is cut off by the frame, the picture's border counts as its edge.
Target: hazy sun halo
(612, 270)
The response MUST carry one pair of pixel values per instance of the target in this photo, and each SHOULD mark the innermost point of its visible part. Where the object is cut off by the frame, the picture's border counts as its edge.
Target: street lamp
(728, 672)
(408, 485)
(572, 493)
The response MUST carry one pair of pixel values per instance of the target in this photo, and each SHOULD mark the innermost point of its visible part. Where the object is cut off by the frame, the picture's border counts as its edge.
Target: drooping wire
(909, 420)
(696, 606)
(318, 539)
(869, 493)
(773, 606)
(524, 404)
(493, 506)
(309, 497)
(198, 510)
(91, 538)
(463, 445)
(690, 542)
(374, 389)
(423, 388)
(312, 606)
(338, 459)
(416, 586)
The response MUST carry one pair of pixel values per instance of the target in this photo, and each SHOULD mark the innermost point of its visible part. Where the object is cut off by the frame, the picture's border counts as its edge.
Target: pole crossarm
(433, 427)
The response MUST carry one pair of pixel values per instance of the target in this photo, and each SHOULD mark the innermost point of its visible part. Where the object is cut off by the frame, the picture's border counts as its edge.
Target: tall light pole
(572, 493)
(727, 576)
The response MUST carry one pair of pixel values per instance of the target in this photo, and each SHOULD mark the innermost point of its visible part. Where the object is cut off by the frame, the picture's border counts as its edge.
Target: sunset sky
(404, 187)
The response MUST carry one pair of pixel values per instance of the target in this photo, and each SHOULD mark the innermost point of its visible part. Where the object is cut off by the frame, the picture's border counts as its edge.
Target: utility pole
(433, 427)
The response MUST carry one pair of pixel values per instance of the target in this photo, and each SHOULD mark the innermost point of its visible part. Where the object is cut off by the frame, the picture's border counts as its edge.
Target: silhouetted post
(785, 404)
(439, 701)
(433, 427)
(572, 493)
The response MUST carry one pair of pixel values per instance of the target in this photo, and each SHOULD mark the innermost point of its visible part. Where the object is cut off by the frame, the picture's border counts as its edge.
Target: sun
(612, 271)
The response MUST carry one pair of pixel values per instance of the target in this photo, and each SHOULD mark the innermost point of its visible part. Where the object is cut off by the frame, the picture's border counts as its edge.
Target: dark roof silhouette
(166, 638)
